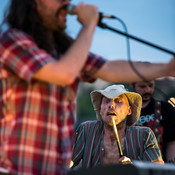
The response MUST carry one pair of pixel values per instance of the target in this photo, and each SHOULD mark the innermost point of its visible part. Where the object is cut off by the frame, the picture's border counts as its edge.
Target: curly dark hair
(23, 15)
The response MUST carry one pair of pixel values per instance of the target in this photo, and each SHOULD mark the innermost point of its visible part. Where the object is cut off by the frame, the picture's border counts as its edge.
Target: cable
(129, 51)
(102, 25)
(131, 63)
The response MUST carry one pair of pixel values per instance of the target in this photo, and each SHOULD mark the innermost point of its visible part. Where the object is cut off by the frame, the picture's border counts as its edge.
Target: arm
(151, 151)
(65, 70)
(121, 71)
(168, 113)
(78, 146)
(170, 152)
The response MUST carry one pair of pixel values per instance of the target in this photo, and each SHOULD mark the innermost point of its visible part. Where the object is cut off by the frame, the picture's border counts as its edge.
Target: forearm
(161, 162)
(172, 160)
(76, 56)
(68, 67)
(170, 152)
(122, 71)
(151, 149)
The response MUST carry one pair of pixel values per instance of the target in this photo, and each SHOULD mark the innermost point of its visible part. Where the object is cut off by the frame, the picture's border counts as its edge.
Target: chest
(111, 152)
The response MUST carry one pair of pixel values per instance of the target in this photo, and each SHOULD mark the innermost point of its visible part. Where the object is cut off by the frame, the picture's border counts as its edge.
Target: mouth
(64, 8)
(111, 113)
(146, 95)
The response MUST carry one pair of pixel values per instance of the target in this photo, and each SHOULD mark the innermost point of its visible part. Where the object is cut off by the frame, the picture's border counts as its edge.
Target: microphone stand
(104, 26)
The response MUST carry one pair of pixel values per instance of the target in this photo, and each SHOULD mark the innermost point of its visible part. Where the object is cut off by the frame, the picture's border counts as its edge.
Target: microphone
(71, 10)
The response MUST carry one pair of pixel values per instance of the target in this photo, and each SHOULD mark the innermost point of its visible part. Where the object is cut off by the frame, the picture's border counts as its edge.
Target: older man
(96, 143)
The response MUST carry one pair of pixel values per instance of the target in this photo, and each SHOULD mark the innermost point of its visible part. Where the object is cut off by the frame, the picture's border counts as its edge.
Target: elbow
(69, 79)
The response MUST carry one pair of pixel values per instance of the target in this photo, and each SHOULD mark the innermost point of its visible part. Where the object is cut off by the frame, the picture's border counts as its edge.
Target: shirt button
(156, 130)
(158, 111)
(157, 121)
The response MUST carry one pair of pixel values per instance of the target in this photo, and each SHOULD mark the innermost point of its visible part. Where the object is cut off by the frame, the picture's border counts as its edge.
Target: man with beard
(40, 70)
(159, 116)
(96, 141)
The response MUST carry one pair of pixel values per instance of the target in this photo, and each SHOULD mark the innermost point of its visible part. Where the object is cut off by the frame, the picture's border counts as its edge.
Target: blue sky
(151, 20)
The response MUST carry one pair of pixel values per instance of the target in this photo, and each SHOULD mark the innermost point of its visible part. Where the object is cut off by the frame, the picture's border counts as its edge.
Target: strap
(157, 114)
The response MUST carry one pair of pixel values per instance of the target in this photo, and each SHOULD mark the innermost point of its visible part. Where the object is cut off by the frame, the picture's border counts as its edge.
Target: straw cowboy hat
(135, 100)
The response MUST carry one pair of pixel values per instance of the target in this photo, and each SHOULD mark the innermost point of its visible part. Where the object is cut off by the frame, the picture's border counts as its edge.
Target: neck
(145, 103)
(121, 128)
(50, 35)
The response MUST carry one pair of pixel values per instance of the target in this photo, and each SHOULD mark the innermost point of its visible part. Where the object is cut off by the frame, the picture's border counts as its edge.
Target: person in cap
(95, 143)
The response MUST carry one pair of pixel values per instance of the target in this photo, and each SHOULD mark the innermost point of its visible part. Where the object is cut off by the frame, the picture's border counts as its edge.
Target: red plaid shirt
(36, 118)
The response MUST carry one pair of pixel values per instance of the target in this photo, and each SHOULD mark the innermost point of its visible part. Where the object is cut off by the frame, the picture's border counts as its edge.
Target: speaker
(137, 168)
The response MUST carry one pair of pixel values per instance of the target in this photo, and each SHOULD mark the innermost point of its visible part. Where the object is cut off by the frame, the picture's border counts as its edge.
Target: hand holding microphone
(72, 10)
(87, 14)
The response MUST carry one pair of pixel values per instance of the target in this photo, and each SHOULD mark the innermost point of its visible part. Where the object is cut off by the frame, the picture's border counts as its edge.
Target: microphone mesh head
(71, 9)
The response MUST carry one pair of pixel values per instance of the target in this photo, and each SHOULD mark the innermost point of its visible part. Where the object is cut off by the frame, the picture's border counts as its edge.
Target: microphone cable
(128, 50)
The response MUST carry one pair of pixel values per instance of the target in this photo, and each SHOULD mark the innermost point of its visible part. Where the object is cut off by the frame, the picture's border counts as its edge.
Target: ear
(129, 110)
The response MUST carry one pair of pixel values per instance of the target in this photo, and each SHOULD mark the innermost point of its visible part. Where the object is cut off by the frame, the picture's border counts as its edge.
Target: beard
(146, 97)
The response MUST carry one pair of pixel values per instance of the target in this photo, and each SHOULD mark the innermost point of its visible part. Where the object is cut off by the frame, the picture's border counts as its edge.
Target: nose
(111, 104)
(147, 89)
